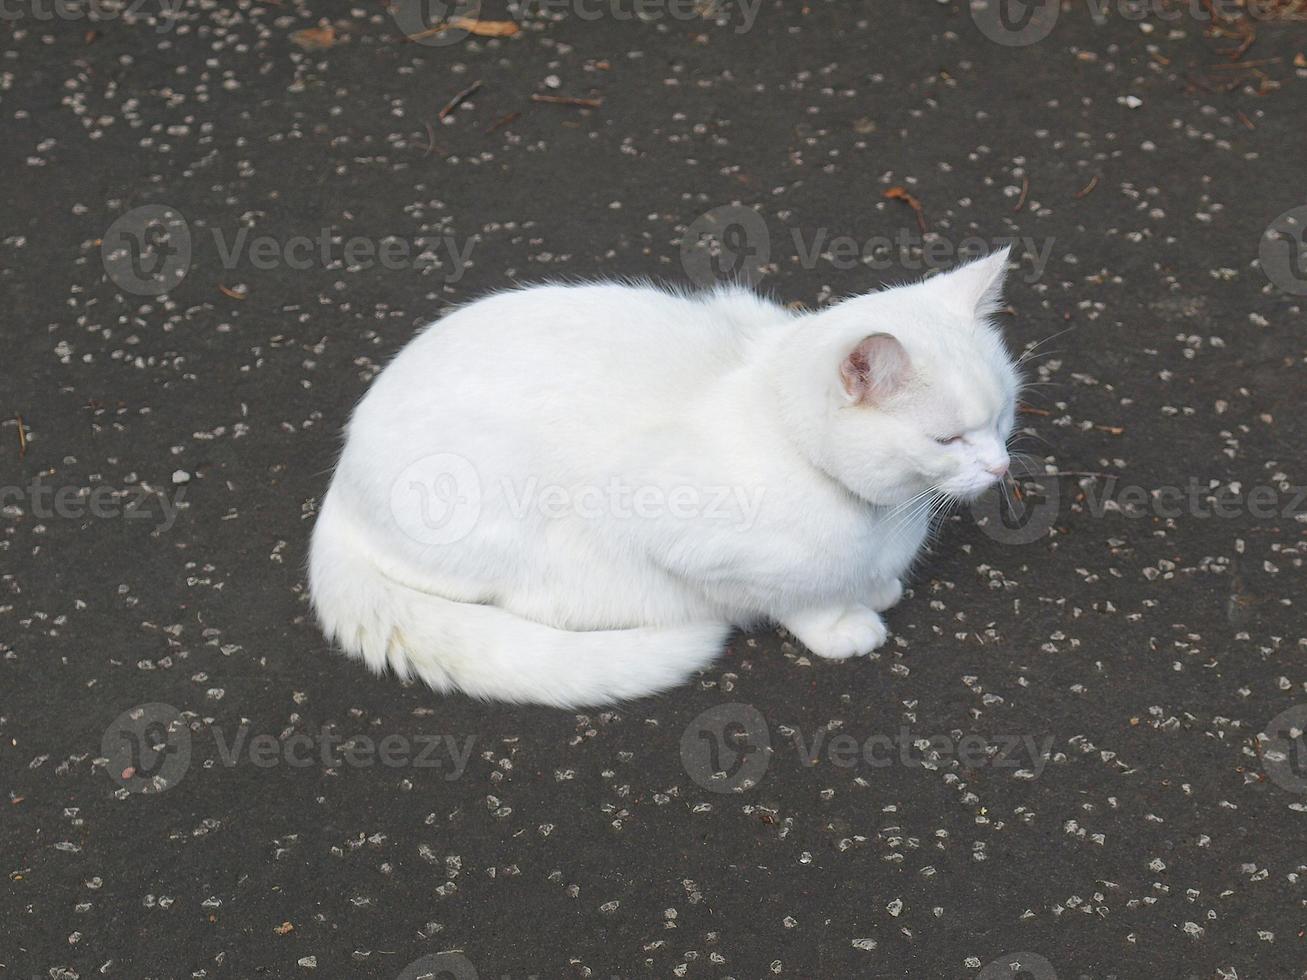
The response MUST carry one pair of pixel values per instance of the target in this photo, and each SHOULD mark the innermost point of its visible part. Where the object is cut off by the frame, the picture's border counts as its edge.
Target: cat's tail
(483, 650)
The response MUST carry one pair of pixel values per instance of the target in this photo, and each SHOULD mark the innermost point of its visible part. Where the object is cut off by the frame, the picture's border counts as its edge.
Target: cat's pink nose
(998, 469)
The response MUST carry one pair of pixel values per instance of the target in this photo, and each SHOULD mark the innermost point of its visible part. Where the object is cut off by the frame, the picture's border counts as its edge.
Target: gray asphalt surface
(1108, 694)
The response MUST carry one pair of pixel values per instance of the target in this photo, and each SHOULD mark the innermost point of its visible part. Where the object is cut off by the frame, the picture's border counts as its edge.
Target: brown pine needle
(567, 100)
(1223, 66)
(459, 99)
(503, 121)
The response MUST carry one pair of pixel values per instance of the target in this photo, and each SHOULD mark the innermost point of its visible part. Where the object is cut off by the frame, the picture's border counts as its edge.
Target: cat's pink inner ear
(875, 369)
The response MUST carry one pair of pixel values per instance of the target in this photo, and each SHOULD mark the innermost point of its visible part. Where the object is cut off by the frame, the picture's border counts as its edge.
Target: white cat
(570, 494)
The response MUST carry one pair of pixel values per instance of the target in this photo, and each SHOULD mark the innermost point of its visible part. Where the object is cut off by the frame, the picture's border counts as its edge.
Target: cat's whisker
(1025, 457)
(923, 503)
(939, 510)
(1030, 459)
(939, 513)
(1034, 435)
(1029, 352)
(1042, 355)
(911, 500)
(904, 521)
(1007, 495)
(1029, 389)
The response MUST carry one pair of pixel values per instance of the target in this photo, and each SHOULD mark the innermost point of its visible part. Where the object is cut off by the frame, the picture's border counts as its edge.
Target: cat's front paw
(837, 634)
(885, 595)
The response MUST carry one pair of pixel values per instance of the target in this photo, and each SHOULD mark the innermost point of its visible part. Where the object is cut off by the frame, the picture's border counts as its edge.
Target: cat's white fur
(814, 433)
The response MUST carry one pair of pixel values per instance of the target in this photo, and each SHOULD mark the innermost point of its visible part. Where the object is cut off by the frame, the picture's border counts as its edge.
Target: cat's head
(919, 392)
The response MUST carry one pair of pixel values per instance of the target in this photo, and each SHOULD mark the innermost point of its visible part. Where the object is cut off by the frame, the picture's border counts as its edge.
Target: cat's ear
(977, 287)
(875, 369)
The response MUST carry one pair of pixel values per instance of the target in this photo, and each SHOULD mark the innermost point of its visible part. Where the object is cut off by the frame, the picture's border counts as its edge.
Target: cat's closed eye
(948, 441)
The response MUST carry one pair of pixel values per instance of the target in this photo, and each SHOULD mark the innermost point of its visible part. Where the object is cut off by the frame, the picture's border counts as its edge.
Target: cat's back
(599, 339)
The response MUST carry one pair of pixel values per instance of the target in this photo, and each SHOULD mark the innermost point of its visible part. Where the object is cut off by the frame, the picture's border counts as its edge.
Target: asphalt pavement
(1079, 753)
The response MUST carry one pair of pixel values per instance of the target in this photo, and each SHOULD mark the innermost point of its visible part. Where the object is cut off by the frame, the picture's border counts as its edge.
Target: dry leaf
(484, 28)
(901, 194)
(315, 38)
